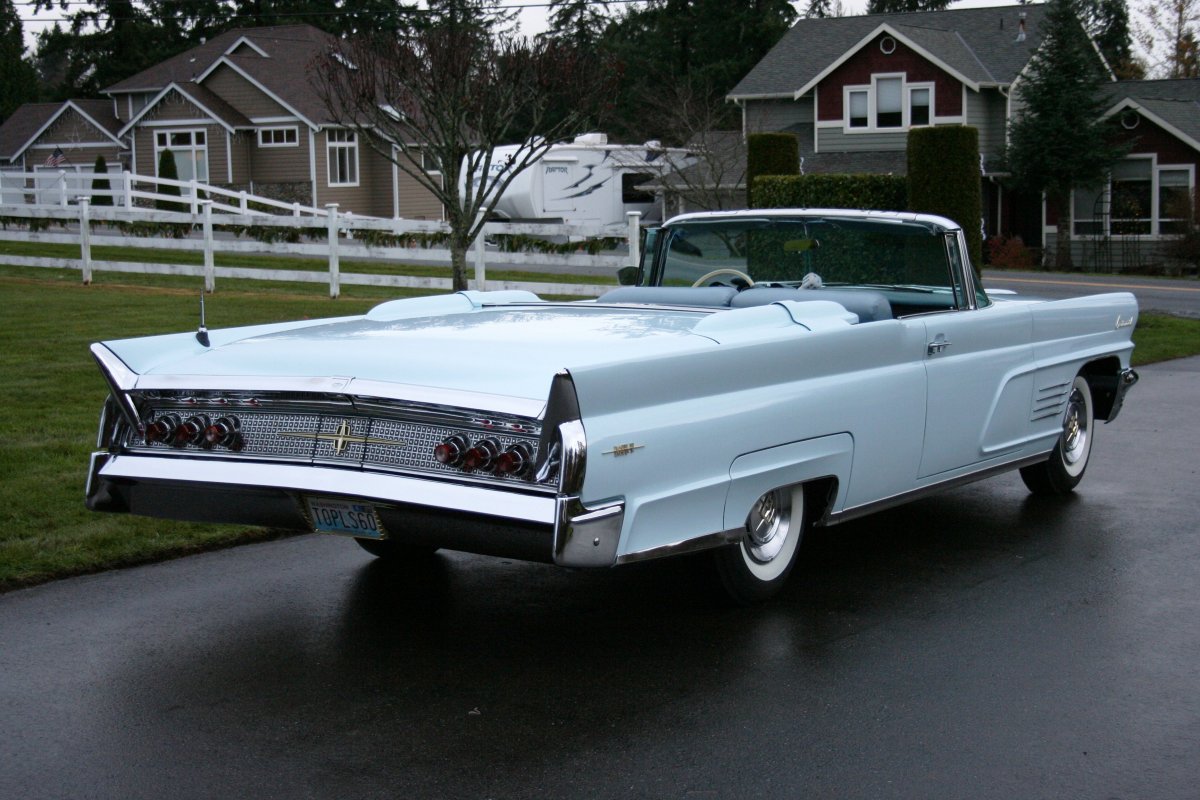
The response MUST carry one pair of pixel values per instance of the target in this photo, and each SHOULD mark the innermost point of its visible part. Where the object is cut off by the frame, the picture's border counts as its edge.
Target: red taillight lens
(481, 455)
(190, 432)
(515, 461)
(223, 432)
(162, 429)
(450, 452)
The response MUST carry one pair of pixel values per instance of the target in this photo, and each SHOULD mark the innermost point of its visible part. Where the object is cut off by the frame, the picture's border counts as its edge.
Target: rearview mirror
(627, 276)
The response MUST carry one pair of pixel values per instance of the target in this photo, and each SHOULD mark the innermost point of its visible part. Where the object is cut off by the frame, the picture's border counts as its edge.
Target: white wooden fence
(81, 219)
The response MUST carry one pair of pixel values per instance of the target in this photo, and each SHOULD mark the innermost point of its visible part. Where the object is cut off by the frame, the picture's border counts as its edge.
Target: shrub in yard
(101, 184)
(1009, 252)
(168, 171)
(944, 178)
(770, 154)
(883, 192)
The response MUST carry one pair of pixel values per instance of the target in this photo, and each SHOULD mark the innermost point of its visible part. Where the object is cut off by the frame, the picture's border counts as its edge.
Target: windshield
(813, 252)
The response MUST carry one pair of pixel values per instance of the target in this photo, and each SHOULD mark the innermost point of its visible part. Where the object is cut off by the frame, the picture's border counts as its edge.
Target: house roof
(979, 45)
(221, 112)
(274, 58)
(31, 120)
(1172, 104)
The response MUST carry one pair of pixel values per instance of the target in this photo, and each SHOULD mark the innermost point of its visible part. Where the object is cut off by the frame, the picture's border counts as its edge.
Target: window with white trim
(343, 158)
(890, 103)
(279, 137)
(1140, 198)
(189, 148)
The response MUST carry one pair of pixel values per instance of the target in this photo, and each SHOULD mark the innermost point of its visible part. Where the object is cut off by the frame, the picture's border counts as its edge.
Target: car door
(978, 365)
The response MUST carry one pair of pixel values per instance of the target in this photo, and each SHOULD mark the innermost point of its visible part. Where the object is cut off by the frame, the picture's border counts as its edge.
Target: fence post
(634, 218)
(295, 209)
(243, 203)
(85, 241)
(334, 266)
(128, 189)
(195, 196)
(210, 272)
(480, 266)
(62, 188)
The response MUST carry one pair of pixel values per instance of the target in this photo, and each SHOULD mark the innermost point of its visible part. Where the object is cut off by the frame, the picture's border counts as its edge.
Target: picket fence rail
(81, 217)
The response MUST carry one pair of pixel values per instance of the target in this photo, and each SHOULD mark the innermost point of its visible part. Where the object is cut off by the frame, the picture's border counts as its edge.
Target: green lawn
(51, 394)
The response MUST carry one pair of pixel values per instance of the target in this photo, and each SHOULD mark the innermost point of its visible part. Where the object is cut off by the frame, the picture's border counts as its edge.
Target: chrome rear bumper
(532, 526)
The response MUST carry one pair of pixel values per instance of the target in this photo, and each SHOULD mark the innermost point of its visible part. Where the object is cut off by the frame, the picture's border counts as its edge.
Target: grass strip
(51, 394)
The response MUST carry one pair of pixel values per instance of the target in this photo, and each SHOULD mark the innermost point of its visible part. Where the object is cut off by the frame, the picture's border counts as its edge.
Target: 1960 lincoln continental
(768, 371)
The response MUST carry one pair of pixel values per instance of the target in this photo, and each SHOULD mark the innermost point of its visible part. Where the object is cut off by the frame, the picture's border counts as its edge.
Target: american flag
(56, 158)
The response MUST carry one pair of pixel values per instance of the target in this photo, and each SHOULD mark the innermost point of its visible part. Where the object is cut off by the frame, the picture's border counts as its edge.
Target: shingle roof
(1175, 102)
(979, 43)
(19, 129)
(282, 71)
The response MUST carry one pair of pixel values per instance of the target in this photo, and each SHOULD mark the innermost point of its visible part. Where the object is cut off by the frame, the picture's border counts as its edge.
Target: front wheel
(1061, 473)
(757, 566)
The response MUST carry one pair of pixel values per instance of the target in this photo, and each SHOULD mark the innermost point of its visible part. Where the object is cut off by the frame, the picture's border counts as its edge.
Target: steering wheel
(724, 271)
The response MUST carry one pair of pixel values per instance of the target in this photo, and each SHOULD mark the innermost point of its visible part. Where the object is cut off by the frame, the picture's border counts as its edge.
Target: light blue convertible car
(768, 371)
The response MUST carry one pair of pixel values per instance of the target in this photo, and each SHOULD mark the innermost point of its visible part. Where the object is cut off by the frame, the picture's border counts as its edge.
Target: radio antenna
(202, 333)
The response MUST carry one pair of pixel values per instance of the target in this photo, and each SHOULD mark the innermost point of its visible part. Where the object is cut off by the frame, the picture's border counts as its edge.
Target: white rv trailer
(587, 181)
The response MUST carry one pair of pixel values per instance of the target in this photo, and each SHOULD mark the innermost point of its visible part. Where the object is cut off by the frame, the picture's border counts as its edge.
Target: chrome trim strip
(707, 542)
(496, 502)
(120, 379)
(502, 404)
(833, 518)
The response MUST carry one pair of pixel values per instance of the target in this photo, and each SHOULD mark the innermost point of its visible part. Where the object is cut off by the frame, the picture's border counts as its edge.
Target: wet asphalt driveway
(979, 644)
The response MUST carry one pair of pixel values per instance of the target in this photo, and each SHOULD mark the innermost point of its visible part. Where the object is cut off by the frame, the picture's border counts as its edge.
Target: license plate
(345, 518)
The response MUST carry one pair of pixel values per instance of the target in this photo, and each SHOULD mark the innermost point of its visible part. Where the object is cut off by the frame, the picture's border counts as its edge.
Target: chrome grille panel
(330, 431)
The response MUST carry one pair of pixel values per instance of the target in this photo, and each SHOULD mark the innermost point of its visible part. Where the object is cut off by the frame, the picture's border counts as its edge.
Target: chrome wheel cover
(1076, 436)
(768, 526)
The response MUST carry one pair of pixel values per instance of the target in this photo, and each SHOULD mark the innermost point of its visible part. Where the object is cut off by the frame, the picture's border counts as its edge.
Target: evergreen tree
(18, 82)
(1108, 23)
(1061, 141)
(705, 45)
(101, 184)
(581, 22)
(894, 6)
(168, 171)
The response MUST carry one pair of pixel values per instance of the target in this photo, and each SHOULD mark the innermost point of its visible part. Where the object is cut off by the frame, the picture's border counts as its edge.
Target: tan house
(53, 137)
(239, 112)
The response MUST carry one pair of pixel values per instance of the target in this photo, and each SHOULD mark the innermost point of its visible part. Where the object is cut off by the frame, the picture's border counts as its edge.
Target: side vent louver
(1049, 400)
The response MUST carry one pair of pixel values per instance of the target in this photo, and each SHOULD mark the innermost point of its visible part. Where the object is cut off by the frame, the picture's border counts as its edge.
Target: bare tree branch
(442, 99)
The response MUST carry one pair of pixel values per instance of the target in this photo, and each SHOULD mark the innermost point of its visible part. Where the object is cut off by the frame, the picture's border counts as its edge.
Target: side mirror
(627, 276)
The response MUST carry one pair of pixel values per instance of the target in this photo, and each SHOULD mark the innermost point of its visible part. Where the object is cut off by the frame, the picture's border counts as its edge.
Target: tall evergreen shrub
(944, 178)
(168, 171)
(101, 184)
(770, 154)
(884, 192)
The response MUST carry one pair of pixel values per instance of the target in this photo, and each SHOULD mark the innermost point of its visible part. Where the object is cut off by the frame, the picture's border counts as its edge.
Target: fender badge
(623, 449)
(1124, 323)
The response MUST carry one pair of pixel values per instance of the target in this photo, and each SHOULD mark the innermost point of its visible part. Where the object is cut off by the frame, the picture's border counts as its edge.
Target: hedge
(883, 192)
(943, 178)
(770, 154)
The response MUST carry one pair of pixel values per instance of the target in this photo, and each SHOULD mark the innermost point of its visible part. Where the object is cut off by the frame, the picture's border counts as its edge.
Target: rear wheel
(759, 564)
(1061, 473)
(393, 550)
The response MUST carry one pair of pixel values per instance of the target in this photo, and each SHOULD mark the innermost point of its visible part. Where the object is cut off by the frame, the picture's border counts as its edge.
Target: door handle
(938, 345)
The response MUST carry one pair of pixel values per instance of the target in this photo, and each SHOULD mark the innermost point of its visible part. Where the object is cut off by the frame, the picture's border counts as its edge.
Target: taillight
(517, 461)
(224, 432)
(481, 455)
(451, 451)
(162, 429)
(190, 432)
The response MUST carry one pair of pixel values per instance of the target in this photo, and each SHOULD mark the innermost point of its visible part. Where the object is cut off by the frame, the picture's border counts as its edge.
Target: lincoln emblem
(342, 438)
